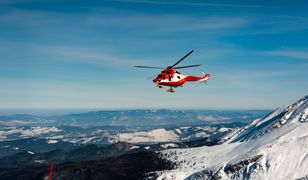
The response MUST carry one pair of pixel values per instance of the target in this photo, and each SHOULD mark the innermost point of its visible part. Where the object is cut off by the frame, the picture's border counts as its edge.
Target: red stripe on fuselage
(182, 81)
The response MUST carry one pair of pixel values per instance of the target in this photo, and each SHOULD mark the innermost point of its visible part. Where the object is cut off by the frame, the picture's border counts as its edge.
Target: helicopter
(171, 78)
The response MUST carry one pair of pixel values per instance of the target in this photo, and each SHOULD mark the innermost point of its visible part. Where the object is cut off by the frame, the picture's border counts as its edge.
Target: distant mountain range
(134, 118)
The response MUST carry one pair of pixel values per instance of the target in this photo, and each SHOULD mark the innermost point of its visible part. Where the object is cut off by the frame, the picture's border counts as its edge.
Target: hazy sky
(80, 54)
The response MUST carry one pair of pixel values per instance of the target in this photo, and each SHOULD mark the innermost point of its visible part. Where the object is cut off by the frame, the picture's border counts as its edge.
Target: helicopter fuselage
(173, 78)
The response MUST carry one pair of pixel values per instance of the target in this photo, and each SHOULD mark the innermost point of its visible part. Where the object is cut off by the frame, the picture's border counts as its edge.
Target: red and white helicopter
(172, 78)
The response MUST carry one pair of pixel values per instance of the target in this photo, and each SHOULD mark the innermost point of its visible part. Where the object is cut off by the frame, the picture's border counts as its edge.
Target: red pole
(50, 170)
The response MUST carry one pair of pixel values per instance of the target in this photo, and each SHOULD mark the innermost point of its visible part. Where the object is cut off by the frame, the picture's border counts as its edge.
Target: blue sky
(80, 54)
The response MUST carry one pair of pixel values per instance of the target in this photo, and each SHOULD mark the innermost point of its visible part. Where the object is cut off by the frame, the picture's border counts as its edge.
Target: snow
(27, 132)
(30, 152)
(56, 137)
(280, 117)
(201, 134)
(40, 161)
(178, 131)
(5, 132)
(134, 147)
(223, 129)
(156, 135)
(168, 145)
(287, 155)
(51, 141)
(87, 140)
(207, 128)
(34, 131)
(270, 153)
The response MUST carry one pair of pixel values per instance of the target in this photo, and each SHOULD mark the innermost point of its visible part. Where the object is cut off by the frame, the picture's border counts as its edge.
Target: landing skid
(171, 90)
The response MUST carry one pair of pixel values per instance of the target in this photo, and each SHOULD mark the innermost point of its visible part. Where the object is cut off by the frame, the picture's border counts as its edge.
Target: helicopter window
(179, 77)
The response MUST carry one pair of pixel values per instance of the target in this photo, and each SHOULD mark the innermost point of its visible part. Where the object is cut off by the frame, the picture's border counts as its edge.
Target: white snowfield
(31, 132)
(156, 135)
(52, 141)
(169, 145)
(274, 147)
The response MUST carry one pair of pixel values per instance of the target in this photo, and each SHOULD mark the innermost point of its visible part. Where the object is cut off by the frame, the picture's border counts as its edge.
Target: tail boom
(196, 78)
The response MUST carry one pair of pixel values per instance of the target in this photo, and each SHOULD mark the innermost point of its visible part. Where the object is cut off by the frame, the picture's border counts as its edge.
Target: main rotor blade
(181, 67)
(182, 58)
(149, 67)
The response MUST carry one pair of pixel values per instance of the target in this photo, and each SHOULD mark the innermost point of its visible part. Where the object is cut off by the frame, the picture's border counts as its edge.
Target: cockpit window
(179, 77)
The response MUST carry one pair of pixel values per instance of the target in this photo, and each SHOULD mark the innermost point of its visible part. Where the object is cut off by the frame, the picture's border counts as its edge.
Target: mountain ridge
(260, 150)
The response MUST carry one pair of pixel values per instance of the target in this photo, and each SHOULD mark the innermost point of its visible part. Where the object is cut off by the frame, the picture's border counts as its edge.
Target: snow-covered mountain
(273, 147)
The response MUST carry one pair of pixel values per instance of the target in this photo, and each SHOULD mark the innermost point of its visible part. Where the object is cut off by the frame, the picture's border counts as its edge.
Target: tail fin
(205, 77)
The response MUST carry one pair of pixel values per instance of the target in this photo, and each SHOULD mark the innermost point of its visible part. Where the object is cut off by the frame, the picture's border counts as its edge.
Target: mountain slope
(30, 158)
(297, 112)
(139, 165)
(273, 147)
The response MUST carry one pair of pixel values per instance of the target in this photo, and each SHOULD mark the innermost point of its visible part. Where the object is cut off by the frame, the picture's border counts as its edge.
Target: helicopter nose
(156, 80)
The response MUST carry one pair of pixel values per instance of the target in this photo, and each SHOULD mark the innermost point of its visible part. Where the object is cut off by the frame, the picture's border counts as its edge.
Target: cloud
(265, 24)
(295, 54)
(88, 55)
(122, 32)
(120, 20)
(166, 23)
(36, 21)
(189, 3)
